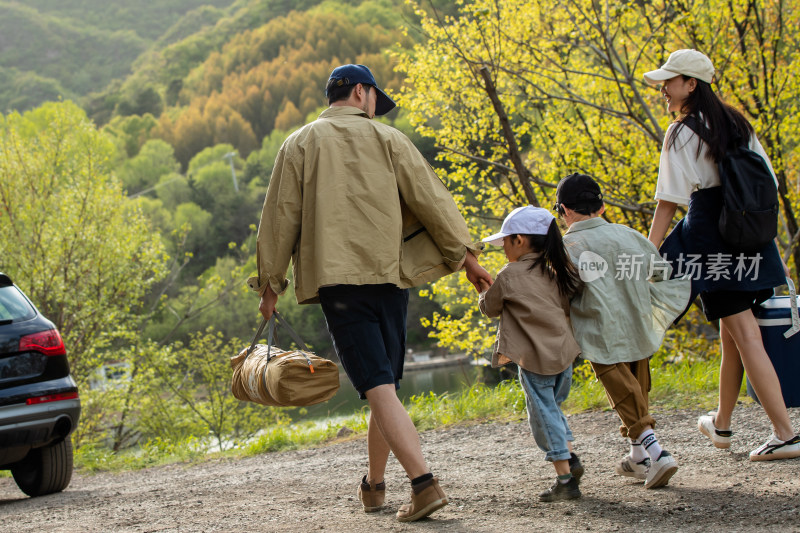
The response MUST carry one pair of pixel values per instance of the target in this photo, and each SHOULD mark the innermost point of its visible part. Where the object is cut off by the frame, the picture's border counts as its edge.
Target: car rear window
(14, 306)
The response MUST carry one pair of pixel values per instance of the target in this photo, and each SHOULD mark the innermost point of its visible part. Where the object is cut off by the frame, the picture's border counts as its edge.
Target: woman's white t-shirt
(681, 171)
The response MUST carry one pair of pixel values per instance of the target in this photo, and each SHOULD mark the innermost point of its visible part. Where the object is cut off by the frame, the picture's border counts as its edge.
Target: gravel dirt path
(491, 472)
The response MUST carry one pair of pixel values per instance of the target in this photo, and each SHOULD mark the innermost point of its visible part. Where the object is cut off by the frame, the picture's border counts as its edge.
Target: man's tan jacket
(352, 201)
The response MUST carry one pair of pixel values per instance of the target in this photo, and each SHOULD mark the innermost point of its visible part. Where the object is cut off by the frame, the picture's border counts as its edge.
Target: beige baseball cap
(687, 62)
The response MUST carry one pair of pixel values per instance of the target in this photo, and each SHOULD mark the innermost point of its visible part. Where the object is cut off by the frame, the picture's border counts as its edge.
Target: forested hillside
(51, 49)
(196, 81)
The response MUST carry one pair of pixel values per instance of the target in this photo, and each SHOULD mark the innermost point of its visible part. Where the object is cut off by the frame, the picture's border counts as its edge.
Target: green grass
(479, 402)
(686, 384)
(94, 458)
(304, 435)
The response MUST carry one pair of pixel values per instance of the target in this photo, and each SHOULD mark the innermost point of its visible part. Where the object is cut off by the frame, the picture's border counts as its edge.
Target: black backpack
(749, 217)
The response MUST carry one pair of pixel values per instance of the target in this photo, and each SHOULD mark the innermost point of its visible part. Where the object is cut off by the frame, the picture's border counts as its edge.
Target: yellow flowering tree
(518, 93)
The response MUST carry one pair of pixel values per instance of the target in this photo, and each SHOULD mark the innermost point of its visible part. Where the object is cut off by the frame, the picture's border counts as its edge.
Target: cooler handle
(795, 318)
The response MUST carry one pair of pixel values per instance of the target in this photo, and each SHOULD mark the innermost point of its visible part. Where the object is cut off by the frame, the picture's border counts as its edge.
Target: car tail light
(52, 398)
(47, 342)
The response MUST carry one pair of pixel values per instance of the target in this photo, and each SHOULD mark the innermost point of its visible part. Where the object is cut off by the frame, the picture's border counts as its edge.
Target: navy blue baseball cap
(353, 74)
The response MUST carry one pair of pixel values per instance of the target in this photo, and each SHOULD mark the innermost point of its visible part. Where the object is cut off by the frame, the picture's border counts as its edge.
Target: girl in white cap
(531, 296)
(706, 128)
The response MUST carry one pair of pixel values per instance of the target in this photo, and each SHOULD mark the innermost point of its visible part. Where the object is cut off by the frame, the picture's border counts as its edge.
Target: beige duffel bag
(271, 376)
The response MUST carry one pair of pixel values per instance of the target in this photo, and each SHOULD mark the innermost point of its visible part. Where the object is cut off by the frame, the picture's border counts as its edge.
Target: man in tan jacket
(363, 217)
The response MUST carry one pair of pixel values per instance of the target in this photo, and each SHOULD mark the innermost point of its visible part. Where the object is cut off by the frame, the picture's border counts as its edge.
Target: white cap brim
(496, 239)
(654, 77)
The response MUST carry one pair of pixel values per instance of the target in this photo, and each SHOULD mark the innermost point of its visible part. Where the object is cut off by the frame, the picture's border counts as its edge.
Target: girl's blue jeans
(543, 397)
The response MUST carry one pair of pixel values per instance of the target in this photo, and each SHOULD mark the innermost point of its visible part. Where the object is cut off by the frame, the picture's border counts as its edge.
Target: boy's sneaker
(371, 495)
(719, 438)
(426, 498)
(575, 466)
(661, 470)
(777, 449)
(627, 467)
(561, 491)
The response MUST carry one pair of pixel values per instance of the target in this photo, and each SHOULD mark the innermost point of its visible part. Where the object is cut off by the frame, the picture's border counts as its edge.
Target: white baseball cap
(687, 62)
(526, 220)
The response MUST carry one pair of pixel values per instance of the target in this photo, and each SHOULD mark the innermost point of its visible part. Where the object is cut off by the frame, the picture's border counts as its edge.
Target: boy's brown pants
(627, 386)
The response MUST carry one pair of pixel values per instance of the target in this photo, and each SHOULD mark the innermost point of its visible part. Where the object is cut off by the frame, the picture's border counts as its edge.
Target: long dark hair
(555, 262)
(725, 125)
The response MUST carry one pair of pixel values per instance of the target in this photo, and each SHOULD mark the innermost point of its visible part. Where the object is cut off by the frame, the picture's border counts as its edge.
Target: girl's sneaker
(575, 466)
(719, 437)
(775, 448)
(561, 491)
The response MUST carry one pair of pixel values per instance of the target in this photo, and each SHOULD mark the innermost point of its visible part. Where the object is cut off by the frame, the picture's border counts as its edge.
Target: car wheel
(45, 470)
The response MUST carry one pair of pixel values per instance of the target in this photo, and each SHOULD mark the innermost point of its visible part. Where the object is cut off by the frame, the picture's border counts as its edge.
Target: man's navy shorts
(368, 326)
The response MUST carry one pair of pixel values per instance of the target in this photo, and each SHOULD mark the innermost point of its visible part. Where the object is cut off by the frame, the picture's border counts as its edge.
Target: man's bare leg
(377, 450)
(398, 432)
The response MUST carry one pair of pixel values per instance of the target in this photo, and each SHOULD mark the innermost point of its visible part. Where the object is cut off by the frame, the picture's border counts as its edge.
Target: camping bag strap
(275, 319)
(258, 334)
(255, 338)
(292, 333)
(795, 318)
(270, 336)
(278, 319)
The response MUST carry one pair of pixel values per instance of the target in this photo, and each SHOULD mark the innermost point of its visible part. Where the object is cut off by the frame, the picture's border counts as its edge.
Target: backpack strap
(694, 123)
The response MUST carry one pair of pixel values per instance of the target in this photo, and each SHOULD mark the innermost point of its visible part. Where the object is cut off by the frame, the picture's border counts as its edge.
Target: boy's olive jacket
(628, 301)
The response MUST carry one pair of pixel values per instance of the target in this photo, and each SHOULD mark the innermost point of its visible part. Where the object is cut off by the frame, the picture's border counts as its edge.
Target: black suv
(39, 405)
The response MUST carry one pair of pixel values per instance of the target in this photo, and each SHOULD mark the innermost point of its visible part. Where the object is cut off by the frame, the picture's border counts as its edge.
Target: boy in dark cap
(620, 318)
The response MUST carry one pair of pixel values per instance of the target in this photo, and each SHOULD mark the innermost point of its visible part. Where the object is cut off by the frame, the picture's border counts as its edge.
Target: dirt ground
(491, 472)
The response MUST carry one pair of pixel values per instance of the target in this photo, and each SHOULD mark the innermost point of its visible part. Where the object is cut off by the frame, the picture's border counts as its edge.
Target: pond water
(451, 378)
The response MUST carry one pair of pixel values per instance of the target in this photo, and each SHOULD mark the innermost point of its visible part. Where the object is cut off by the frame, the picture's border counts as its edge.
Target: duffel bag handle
(795, 318)
(278, 319)
(292, 333)
(255, 338)
(275, 319)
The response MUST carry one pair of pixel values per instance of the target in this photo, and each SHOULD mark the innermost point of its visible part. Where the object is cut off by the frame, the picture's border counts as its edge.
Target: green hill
(148, 19)
(69, 48)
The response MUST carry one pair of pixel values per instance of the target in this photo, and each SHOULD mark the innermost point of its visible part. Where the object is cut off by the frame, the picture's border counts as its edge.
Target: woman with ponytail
(704, 130)
(531, 296)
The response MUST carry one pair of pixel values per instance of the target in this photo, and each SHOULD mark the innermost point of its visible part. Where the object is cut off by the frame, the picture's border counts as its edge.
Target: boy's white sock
(650, 444)
(637, 452)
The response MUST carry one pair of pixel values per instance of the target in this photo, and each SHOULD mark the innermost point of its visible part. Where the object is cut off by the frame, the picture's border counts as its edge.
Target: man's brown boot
(426, 497)
(371, 495)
